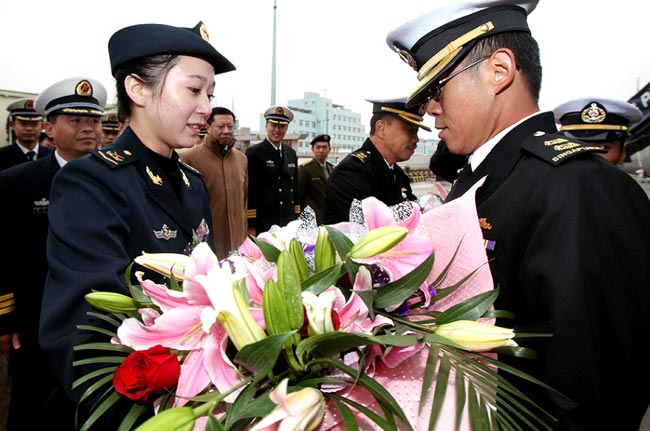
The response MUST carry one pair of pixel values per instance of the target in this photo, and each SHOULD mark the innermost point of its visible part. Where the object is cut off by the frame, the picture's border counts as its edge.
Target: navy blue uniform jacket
(568, 238)
(106, 209)
(12, 155)
(272, 186)
(361, 174)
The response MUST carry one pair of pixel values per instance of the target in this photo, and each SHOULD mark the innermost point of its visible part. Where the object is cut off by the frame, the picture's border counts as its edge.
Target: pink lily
(179, 327)
(409, 253)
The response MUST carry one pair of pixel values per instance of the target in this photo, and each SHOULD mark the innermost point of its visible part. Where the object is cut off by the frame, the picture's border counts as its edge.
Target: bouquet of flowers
(383, 322)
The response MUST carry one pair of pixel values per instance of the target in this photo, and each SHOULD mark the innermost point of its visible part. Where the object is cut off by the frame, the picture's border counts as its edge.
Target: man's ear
(503, 69)
(47, 127)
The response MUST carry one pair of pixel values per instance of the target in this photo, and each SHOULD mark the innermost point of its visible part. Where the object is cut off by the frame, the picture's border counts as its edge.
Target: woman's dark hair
(151, 71)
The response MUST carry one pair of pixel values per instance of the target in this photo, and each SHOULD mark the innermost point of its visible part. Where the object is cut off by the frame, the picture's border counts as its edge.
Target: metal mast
(273, 59)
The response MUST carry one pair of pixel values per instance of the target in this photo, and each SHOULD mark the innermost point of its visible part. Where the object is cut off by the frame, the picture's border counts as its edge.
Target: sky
(336, 48)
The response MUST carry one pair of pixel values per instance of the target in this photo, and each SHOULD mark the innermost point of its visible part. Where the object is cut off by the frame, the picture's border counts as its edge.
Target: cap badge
(112, 117)
(84, 89)
(204, 33)
(408, 59)
(165, 233)
(279, 111)
(29, 104)
(593, 114)
(154, 178)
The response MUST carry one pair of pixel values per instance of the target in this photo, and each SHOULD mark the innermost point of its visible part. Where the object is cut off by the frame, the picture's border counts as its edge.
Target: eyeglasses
(436, 89)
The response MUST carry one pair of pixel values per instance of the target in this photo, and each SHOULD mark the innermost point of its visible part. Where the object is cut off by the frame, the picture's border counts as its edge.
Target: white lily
(319, 311)
(229, 307)
(302, 410)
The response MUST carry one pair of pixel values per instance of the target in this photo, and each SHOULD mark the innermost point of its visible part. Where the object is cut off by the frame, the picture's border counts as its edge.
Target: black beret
(321, 138)
(145, 40)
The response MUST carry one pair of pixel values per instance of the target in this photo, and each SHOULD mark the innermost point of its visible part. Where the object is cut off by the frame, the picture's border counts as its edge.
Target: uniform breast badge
(165, 233)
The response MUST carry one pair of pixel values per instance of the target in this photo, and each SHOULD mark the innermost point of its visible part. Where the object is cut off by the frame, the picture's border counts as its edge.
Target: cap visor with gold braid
(398, 107)
(434, 43)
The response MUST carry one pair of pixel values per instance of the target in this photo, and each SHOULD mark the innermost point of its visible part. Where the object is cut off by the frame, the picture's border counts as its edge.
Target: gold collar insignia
(154, 178)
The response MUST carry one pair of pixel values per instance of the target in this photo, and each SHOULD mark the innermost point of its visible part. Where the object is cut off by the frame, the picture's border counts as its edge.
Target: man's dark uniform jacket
(312, 186)
(25, 191)
(568, 238)
(272, 186)
(12, 155)
(361, 174)
(106, 209)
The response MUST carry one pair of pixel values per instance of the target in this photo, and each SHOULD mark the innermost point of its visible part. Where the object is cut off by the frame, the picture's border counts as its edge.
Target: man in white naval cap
(73, 108)
(546, 210)
(25, 125)
(272, 175)
(372, 169)
(600, 121)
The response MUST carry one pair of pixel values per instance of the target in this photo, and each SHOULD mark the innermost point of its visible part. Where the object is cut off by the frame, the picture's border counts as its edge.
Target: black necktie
(30, 155)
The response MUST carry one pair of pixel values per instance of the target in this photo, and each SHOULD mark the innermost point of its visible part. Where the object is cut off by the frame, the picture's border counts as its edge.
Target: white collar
(477, 157)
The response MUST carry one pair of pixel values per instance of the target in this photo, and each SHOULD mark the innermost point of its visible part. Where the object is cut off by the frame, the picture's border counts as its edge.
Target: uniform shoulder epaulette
(556, 149)
(115, 158)
(362, 155)
(192, 169)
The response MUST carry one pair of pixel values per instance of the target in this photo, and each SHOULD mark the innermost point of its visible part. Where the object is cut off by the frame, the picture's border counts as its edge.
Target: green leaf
(393, 294)
(132, 416)
(439, 391)
(348, 417)
(260, 357)
(398, 340)
(383, 397)
(93, 374)
(109, 347)
(270, 252)
(333, 342)
(377, 419)
(100, 409)
(320, 281)
(469, 309)
(342, 243)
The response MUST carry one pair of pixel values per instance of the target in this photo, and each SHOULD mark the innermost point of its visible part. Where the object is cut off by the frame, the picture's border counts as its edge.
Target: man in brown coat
(313, 176)
(225, 172)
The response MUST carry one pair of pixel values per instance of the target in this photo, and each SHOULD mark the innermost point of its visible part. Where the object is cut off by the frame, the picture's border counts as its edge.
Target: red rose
(145, 374)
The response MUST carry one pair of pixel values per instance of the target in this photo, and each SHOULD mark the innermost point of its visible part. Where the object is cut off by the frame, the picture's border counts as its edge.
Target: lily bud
(112, 302)
(476, 336)
(319, 311)
(176, 419)
(325, 254)
(164, 263)
(302, 410)
(377, 241)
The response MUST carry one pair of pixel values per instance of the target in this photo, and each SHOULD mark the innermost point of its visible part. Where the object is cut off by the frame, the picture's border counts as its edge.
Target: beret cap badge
(204, 33)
